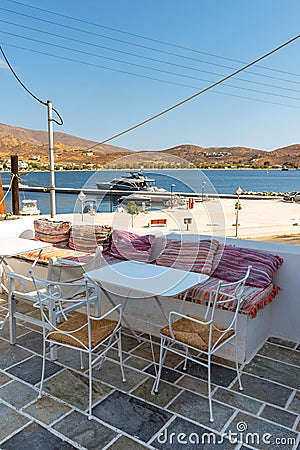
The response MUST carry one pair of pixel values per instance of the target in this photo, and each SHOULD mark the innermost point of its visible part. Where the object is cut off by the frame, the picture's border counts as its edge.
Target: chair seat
(100, 330)
(195, 334)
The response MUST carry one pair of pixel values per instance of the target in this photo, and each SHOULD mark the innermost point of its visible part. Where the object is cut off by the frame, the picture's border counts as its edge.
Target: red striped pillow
(126, 245)
(231, 263)
(189, 256)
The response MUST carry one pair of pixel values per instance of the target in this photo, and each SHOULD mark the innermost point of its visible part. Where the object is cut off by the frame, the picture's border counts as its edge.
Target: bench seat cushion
(255, 298)
(191, 256)
(231, 263)
(55, 252)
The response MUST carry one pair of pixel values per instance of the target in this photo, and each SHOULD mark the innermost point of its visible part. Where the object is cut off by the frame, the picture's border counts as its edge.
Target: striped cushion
(126, 245)
(231, 264)
(52, 231)
(254, 298)
(86, 238)
(190, 256)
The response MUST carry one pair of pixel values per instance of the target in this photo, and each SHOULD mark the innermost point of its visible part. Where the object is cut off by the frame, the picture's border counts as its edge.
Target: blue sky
(96, 102)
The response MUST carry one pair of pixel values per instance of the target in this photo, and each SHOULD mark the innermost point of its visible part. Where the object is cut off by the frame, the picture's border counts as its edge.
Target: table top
(10, 246)
(146, 279)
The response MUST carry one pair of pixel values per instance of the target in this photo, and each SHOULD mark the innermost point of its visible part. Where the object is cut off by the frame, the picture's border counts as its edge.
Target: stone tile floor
(127, 416)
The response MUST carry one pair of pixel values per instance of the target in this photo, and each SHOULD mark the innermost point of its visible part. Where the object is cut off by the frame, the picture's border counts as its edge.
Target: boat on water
(134, 180)
(285, 169)
(29, 208)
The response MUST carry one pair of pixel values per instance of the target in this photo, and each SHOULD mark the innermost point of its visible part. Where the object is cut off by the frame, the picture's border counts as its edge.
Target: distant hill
(72, 149)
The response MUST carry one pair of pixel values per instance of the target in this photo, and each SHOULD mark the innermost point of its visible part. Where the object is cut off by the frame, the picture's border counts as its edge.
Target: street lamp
(237, 207)
(172, 187)
(202, 189)
(82, 198)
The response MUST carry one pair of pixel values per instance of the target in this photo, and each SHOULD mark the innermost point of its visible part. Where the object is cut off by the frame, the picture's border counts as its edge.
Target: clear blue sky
(96, 102)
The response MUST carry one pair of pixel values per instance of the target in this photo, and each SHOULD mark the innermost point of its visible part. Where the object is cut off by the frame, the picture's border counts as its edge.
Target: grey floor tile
(295, 404)
(11, 354)
(4, 378)
(275, 371)
(167, 374)
(280, 353)
(237, 400)
(195, 407)
(71, 358)
(110, 373)
(129, 343)
(182, 434)
(88, 433)
(31, 370)
(283, 342)
(172, 360)
(17, 394)
(134, 416)
(46, 410)
(124, 443)
(73, 389)
(10, 421)
(264, 390)
(144, 351)
(221, 376)
(279, 416)
(20, 330)
(36, 437)
(194, 384)
(137, 363)
(265, 431)
(166, 392)
(32, 341)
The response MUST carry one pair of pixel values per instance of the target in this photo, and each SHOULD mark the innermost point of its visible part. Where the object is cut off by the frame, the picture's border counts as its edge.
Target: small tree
(133, 210)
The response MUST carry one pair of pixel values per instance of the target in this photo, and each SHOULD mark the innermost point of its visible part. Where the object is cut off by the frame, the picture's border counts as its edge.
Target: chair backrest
(27, 234)
(67, 271)
(53, 292)
(228, 296)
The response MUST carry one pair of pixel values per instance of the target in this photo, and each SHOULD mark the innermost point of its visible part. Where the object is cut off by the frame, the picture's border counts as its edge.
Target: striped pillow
(86, 238)
(189, 256)
(231, 263)
(52, 231)
(126, 245)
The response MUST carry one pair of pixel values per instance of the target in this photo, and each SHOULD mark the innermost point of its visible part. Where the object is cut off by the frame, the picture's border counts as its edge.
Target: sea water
(206, 182)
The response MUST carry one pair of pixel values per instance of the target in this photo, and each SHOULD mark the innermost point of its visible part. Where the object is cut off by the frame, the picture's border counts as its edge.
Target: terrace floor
(127, 416)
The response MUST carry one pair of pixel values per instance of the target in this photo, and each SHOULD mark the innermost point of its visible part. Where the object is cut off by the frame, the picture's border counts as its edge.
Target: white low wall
(280, 318)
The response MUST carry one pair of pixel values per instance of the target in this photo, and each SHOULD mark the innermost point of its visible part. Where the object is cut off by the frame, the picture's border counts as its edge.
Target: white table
(132, 279)
(11, 246)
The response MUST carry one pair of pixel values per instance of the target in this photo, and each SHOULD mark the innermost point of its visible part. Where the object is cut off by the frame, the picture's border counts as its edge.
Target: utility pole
(14, 161)
(51, 160)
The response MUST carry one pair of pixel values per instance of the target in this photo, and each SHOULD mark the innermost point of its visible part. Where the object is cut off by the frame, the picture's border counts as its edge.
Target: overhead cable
(142, 37)
(141, 56)
(28, 91)
(144, 76)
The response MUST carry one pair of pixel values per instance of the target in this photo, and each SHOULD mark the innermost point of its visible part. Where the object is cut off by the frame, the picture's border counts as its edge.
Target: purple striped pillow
(189, 256)
(231, 263)
(126, 245)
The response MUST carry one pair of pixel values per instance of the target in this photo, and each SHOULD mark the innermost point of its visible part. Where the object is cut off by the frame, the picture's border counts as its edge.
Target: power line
(165, 111)
(28, 91)
(147, 58)
(145, 38)
(147, 67)
(145, 76)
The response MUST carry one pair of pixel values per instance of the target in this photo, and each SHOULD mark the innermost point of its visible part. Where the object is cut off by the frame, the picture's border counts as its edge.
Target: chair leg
(43, 367)
(161, 358)
(90, 385)
(81, 361)
(186, 358)
(211, 419)
(237, 365)
(120, 355)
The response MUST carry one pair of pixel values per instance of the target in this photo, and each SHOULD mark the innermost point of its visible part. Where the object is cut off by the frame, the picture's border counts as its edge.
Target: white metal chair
(80, 331)
(21, 289)
(204, 335)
